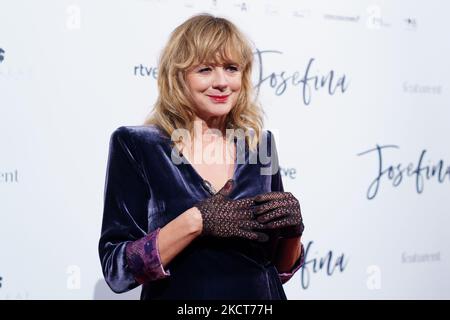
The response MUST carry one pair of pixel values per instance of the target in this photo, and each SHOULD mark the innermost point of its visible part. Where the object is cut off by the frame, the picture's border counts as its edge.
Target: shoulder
(143, 134)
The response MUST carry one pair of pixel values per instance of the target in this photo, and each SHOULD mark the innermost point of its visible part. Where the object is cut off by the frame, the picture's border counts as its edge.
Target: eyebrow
(218, 64)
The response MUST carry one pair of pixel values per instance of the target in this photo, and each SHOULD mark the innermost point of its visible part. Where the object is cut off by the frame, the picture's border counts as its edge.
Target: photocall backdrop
(355, 92)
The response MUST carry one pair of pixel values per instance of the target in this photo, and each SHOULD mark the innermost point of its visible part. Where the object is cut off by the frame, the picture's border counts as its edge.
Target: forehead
(226, 53)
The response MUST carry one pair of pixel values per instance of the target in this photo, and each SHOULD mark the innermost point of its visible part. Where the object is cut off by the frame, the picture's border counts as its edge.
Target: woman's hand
(279, 210)
(223, 217)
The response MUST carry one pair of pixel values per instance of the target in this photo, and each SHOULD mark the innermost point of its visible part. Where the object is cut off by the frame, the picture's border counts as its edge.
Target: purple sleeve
(285, 276)
(144, 260)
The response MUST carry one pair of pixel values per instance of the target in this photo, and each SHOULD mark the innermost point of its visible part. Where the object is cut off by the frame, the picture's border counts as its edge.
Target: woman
(164, 224)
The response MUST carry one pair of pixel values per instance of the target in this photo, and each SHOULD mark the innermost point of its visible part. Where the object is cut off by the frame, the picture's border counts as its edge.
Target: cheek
(197, 84)
(236, 84)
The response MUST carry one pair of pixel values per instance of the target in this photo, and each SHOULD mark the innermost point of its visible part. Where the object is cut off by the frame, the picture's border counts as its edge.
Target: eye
(232, 68)
(204, 69)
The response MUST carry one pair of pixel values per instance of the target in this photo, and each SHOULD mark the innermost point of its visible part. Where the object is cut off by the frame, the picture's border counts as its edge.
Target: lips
(222, 98)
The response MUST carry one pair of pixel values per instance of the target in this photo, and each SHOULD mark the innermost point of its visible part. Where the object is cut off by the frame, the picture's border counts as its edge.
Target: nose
(219, 80)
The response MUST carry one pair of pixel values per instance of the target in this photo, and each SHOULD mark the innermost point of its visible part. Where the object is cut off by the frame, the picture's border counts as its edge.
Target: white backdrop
(356, 93)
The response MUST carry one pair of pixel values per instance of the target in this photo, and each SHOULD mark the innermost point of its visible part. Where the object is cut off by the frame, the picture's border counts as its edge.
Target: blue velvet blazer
(145, 190)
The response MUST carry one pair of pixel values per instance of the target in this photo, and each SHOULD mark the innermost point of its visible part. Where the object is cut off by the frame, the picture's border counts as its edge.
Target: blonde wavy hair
(204, 38)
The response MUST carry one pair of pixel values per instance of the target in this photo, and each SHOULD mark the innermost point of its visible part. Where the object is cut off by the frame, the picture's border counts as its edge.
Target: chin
(218, 114)
(218, 110)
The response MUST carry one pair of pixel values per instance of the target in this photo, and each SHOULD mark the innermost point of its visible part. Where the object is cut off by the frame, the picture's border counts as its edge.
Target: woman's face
(214, 88)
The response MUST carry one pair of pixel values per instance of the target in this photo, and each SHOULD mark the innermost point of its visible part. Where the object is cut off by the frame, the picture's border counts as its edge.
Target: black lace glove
(223, 217)
(281, 211)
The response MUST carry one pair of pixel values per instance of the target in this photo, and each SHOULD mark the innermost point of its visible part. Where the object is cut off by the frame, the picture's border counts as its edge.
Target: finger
(273, 215)
(271, 205)
(251, 225)
(265, 207)
(272, 196)
(253, 235)
(243, 203)
(261, 236)
(281, 223)
(293, 231)
(227, 188)
(241, 215)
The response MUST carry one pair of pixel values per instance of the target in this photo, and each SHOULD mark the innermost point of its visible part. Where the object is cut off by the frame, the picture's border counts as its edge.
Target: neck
(212, 125)
(209, 130)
